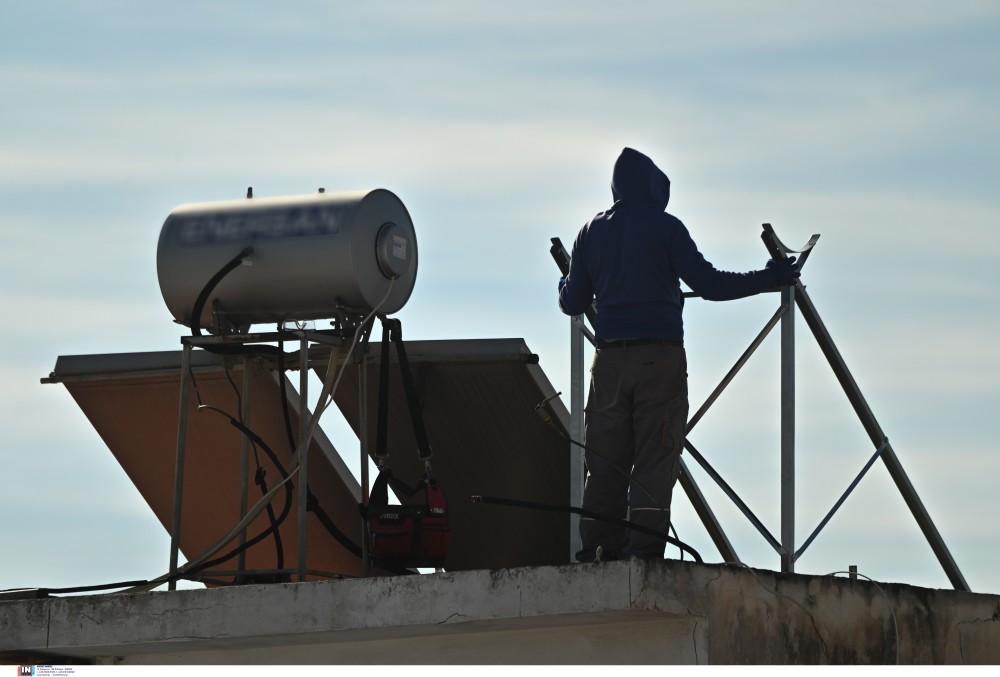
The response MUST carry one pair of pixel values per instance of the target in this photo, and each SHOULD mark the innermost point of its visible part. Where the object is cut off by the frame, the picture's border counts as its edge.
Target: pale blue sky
(873, 124)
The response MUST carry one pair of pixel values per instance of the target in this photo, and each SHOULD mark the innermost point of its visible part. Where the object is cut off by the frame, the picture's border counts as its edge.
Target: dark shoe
(600, 554)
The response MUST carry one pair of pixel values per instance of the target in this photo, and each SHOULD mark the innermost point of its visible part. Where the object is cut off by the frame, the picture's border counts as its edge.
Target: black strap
(423, 446)
(392, 331)
(379, 497)
(382, 430)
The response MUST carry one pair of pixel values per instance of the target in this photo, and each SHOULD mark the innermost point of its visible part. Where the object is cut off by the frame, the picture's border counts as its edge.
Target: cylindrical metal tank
(312, 256)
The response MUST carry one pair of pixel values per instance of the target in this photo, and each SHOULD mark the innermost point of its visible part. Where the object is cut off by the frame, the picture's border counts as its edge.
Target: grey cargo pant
(635, 418)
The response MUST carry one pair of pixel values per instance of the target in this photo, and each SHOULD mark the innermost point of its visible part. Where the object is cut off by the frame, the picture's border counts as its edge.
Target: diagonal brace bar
(877, 437)
(740, 363)
(836, 507)
(708, 518)
(735, 498)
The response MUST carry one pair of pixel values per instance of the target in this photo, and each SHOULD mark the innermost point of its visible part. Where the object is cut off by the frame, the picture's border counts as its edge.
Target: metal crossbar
(836, 507)
(735, 498)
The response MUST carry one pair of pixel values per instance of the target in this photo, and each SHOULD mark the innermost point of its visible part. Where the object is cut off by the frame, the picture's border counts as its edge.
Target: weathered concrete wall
(761, 617)
(610, 613)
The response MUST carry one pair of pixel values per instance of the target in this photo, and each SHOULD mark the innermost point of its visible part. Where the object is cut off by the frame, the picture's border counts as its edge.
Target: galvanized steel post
(182, 420)
(244, 461)
(300, 561)
(577, 472)
(788, 429)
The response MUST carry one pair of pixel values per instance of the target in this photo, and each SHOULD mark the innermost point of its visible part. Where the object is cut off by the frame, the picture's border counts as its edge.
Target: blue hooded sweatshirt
(632, 257)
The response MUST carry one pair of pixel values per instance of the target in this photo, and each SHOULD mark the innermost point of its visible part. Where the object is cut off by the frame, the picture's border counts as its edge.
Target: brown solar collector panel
(478, 401)
(132, 400)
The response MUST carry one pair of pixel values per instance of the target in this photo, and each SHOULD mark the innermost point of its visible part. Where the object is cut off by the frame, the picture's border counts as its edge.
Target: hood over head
(636, 179)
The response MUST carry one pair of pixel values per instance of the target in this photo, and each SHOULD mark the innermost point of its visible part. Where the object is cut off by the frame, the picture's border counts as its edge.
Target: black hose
(202, 299)
(199, 303)
(312, 501)
(90, 588)
(276, 522)
(592, 515)
(279, 548)
(260, 477)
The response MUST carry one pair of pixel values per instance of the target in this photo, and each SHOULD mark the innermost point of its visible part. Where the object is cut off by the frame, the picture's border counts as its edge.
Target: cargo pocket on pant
(672, 427)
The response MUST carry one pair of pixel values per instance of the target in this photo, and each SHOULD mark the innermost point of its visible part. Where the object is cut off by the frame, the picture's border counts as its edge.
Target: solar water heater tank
(313, 257)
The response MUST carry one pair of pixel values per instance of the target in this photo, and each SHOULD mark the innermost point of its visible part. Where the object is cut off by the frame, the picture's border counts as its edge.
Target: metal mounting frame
(793, 298)
(305, 337)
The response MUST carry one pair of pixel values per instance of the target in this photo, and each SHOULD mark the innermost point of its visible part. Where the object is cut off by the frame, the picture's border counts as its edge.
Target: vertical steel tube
(788, 429)
(576, 423)
(241, 561)
(300, 561)
(182, 421)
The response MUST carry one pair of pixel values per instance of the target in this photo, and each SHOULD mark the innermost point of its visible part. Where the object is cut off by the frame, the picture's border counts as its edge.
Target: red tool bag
(406, 536)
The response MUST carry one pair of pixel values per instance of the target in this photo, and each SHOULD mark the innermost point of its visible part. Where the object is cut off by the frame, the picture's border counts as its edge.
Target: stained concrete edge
(701, 614)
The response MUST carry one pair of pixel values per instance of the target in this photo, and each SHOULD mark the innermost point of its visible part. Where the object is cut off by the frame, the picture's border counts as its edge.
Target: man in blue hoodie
(631, 259)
